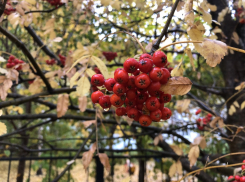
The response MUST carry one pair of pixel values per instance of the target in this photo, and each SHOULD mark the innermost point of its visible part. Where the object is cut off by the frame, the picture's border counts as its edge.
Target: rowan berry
(109, 84)
(131, 84)
(198, 111)
(237, 178)
(97, 80)
(145, 55)
(119, 89)
(130, 103)
(104, 101)
(116, 100)
(166, 76)
(242, 179)
(142, 81)
(166, 113)
(159, 59)
(136, 73)
(145, 65)
(156, 115)
(132, 113)
(131, 65)
(121, 111)
(131, 94)
(121, 76)
(154, 86)
(139, 106)
(145, 120)
(95, 96)
(142, 97)
(156, 74)
(118, 69)
(165, 98)
(152, 103)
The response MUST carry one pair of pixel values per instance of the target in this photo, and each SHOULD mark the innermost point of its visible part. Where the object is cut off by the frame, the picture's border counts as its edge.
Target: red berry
(118, 69)
(12, 65)
(109, 84)
(243, 161)
(200, 127)
(159, 59)
(152, 103)
(97, 80)
(145, 120)
(120, 111)
(155, 93)
(145, 55)
(97, 70)
(95, 96)
(198, 111)
(105, 102)
(123, 97)
(141, 97)
(142, 90)
(139, 106)
(11, 57)
(161, 106)
(130, 103)
(165, 98)
(156, 74)
(16, 61)
(131, 94)
(166, 113)
(94, 89)
(131, 83)
(154, 86)
(8, 65)
(116, 101)
(109, 55)
(131, 65)
(199, 120)
(243, 166)
(230, 177)
(136, 73)
(170, 69)
(142, 81)
(156, 115)
(242, 179)
(145, 65)
(119, 89)
(209, 115)
(132, 113)
(166, 76)
(19, 68)
(121, 76)
(237, 178)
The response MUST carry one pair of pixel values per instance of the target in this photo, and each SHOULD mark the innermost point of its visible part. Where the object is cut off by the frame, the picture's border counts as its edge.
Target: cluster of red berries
(62, 59)
(55, 2)
(201, 122)
(109, 55)
(241, 14)
(238, 178)
(9, 9)
(50, 62)
(12, 61)
(140, 92)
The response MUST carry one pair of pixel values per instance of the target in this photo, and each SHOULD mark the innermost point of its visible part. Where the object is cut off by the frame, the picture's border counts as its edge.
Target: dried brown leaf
(235, 37)
(243, 105)
(105, 161)
(221, 123)
(177, 150)
(88, 156)
(214, 122)
(3, 128)
(196, 34)
(62, 104)
(177, 86)
(213, 51)
(222, 14)
(157, 139)
(212, 7)
(201, 141)
(189, 53)
(82, 103)
(180, 5)
(182, 105)
(206, 15)
(13, 75)
(88, 123)
(189, 14)
(172, 170)
(179, 167)
(193, 155)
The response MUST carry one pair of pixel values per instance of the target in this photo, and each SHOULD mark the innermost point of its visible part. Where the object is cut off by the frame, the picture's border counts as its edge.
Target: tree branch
(22, 46)
(2, 7)
(207, 89)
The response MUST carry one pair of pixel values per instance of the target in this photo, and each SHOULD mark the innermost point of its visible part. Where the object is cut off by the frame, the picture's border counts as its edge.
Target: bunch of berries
(50, 62)
(55, 2)
(109, 55)
(136, 95)
(62, 59)
(12, 62)
(9, 9)
(238, 178)
(97, 70)
(201, 122)
(240, 13)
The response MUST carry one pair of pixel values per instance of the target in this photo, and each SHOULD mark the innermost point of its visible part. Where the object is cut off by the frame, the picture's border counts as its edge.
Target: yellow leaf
(57, 39)
(242, 105)
(33, 2)
(62, 104)
(241, 86)
(189, 53)
(74, 79)
(177, 71)
(193, 155)
(83, 86)
(206, 16)
(177, 86)
(235, 37)
(182, 105)
(101, 65)
(172, 170)
(212, 7)
(77, 61)
(213, 51)
(3, 128)
(195, 34)
(222, 14)
(232, 110)
(1, 112)
(176, 149)
(236, 104)
(188, 10)
(90, 72)
(82, 103)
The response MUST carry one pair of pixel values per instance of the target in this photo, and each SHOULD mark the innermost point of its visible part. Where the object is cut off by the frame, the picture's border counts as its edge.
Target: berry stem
(181, 42)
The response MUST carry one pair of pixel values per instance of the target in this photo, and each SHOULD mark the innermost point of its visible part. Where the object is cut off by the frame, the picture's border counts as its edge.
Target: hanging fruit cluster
(62, 59)
(9, 8)
(50, 62)
(238, 178)
(12, 62)
(109, 55)
(201, 122)
(136, 95)
(55, 2)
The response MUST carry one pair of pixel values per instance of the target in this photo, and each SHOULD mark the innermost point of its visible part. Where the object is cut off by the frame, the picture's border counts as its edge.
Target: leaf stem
(181, 42)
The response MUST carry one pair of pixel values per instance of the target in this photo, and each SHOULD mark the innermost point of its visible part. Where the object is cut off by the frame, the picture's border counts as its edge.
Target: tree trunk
(142, 170)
